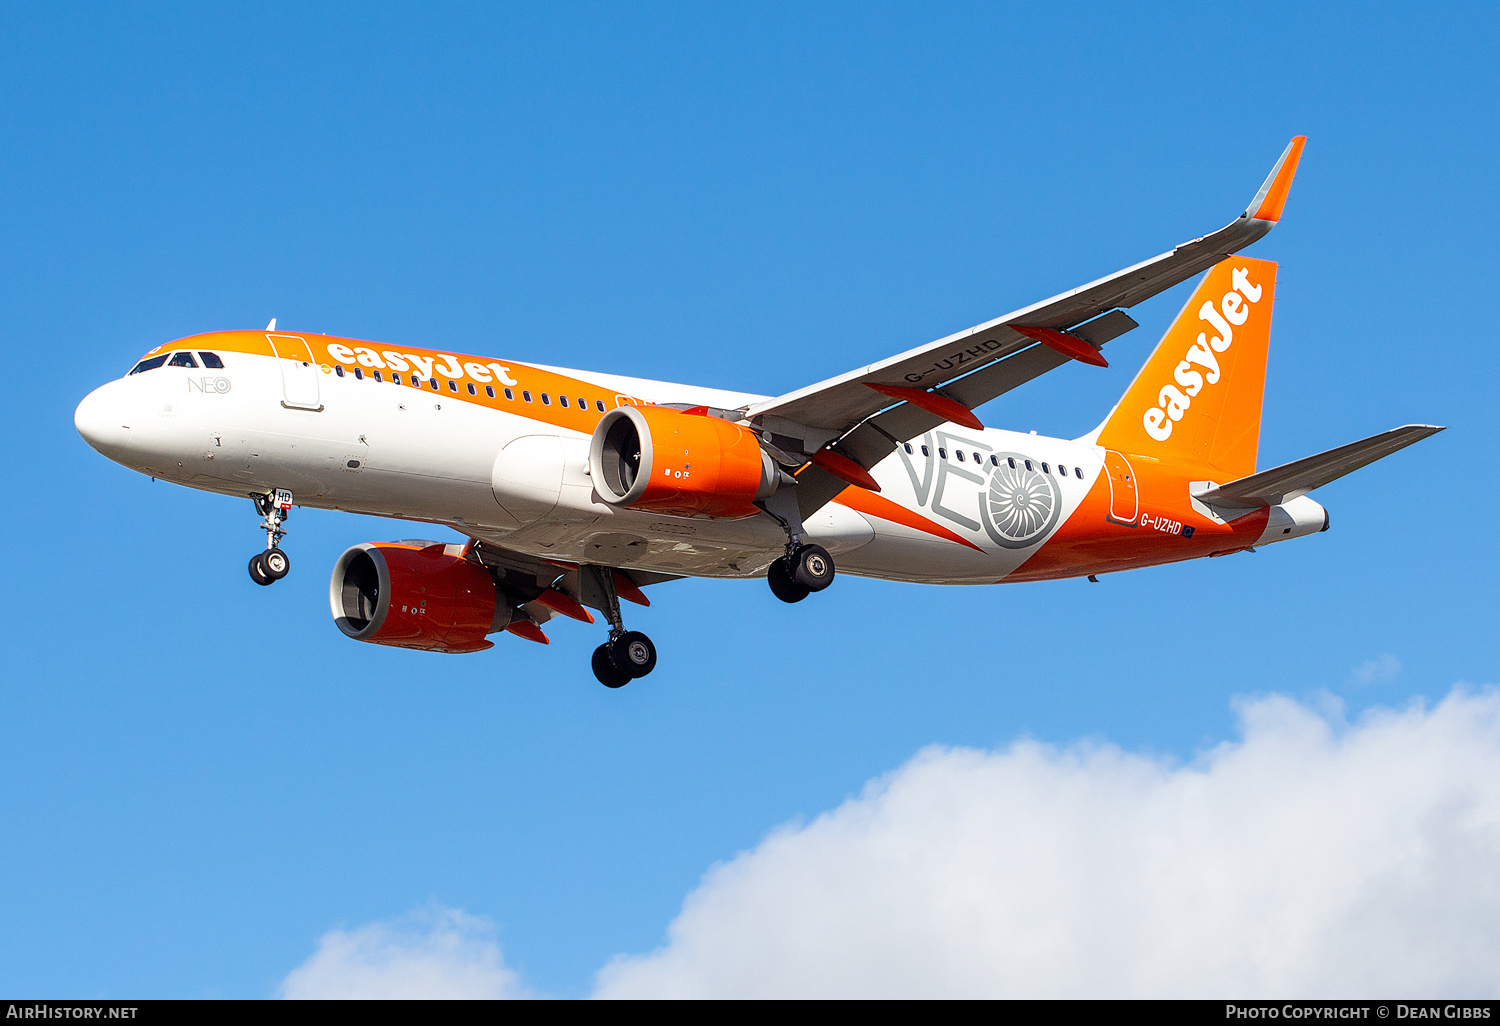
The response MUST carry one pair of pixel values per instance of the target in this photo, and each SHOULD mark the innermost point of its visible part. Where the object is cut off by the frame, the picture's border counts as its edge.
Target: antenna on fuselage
(272, 325)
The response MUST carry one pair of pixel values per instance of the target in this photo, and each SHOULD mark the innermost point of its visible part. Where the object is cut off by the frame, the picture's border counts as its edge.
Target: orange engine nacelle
(684, 464)
(416, 595)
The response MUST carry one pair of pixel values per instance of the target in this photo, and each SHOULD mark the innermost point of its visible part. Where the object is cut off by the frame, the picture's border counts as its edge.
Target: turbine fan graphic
(1022, 503)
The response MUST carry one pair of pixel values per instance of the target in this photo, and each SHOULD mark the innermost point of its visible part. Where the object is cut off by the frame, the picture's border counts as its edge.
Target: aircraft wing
(942, 380)
(547, 588)
(1290, 480)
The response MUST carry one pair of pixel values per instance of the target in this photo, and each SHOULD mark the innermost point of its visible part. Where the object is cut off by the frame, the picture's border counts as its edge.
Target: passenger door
(299, 373)
(1124, 498)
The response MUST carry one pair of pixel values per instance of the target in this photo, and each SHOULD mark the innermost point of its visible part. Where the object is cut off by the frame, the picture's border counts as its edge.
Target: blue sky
(201, 777)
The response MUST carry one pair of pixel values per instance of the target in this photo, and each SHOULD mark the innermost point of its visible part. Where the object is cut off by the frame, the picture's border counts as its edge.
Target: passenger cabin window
(211, 361)
(1028, 464)
(182, 360)
(434, 383)
(1078, 472)
(925, 452)
(1046, 469)
(472, 390)
(359, 374)
(959, 453)
(526, 395)
(338, 370)
(562, 400)
(546, 399)
(377, 375)
(994, 461)
(151, 364)
(510, 395)
(908, 448)
(489, 390)
(453, 386)
(943, 453)
(1012, 461)
(599, 404)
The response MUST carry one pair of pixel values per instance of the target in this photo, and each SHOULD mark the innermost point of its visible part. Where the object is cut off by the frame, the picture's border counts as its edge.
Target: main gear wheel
(623, 658)
(804, 570)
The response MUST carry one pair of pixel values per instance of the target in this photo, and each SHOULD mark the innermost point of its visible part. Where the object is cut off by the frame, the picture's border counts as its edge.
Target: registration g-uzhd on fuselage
(578, 489)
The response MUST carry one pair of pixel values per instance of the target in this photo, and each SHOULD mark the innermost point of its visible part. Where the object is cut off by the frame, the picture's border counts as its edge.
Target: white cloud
(1311, 858)
(431, 953)
(1372, 670)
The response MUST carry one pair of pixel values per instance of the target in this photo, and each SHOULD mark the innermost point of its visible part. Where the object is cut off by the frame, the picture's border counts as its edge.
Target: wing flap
(545, 587)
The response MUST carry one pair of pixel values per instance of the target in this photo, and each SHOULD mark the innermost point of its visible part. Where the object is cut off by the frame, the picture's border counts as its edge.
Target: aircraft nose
(103, 420)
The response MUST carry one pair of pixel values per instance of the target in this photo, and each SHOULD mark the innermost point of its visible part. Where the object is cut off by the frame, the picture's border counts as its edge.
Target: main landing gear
(805, 568)
(624, 657)
(627, 654)
(272, 565)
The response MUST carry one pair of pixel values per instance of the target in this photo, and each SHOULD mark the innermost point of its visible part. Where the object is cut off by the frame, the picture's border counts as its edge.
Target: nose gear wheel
(273, 564)
(258, 570)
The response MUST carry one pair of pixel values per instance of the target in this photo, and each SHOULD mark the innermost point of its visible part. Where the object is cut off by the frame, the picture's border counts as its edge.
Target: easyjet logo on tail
(1233, 310)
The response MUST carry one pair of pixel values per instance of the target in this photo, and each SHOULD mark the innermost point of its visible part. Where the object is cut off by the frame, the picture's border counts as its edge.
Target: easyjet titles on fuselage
(449, 366)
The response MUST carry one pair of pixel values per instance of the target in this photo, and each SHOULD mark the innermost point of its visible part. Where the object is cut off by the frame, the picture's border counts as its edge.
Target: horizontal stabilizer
(1290, 480)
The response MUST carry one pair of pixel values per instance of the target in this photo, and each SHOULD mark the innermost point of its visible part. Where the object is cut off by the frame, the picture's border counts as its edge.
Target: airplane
(578, 489)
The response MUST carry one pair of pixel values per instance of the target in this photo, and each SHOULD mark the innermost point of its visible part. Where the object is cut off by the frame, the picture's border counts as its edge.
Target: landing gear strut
(805, 568)
(627, 654)
(272, 565)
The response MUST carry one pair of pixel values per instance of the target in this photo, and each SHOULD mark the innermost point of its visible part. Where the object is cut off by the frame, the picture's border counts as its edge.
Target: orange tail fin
(1198, 399)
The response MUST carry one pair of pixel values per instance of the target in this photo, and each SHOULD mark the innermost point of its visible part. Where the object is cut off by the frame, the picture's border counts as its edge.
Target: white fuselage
(337, 442)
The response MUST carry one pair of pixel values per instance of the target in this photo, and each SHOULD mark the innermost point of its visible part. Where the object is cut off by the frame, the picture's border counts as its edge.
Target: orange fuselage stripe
(862, 501)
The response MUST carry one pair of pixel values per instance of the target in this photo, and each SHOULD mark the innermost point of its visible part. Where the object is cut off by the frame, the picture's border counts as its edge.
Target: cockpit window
(211, 361)
(151, 364)
(182, 360)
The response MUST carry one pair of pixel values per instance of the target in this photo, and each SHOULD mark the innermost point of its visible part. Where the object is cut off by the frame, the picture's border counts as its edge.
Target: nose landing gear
(627, 654)
(272, 565)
